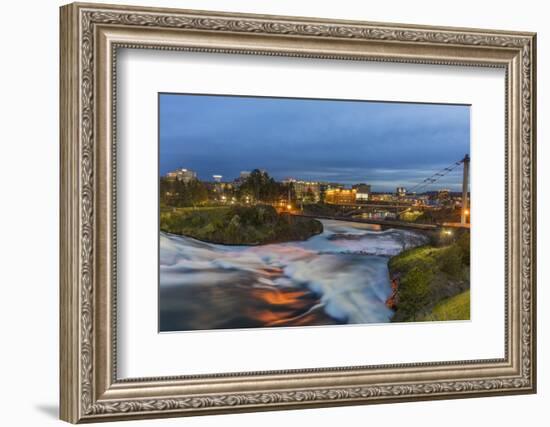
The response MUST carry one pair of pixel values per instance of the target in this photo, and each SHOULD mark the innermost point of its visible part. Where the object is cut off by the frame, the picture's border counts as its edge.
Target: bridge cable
(435, 177)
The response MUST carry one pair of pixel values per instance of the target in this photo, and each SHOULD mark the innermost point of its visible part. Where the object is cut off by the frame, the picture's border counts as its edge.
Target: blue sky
(383, 144)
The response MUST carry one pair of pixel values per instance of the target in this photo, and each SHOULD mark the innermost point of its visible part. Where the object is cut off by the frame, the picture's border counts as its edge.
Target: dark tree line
(180, 194)
(258, 187)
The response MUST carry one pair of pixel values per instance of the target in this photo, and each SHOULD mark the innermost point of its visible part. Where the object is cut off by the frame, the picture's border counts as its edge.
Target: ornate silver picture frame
(91, 36)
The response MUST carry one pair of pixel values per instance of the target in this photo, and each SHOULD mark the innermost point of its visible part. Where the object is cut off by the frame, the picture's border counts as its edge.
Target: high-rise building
(217, 178)
(241, 178)
(184, 175)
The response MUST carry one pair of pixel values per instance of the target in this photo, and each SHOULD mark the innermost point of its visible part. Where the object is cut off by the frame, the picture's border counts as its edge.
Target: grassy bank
(238, 225)
(454, 308)
(429, 277)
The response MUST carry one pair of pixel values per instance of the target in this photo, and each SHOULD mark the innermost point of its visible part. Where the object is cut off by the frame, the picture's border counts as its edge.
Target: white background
(29, 170)
(145, 353)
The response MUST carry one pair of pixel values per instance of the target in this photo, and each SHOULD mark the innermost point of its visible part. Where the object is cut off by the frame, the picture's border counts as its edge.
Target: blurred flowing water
(337, 277)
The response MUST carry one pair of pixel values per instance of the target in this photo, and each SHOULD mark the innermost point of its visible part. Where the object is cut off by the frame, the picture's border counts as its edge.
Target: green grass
(454, 308)
(423, 256)
(429, 275)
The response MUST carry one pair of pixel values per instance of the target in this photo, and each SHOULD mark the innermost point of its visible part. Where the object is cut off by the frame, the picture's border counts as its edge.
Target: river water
(339, 276)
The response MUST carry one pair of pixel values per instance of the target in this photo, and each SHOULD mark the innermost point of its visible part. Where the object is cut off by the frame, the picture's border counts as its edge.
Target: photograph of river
(284, 212)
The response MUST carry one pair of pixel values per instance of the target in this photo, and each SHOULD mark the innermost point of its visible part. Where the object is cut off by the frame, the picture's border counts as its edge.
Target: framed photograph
(266, 212)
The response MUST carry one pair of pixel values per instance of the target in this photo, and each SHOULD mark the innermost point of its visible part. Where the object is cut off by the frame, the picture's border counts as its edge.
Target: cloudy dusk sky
(383, 144)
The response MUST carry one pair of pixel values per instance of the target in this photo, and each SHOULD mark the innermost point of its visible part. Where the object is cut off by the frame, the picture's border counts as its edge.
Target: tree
(177, 193)
(287, 192)
(309, 196)
(165, 191)
(260, 187)
(197, 192)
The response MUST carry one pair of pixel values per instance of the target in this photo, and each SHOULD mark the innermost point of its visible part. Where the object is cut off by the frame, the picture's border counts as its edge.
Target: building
(241, 178)
(339, 196)
(184, 175)
(307, 191)
(443, 198)
(325, 186)
(382, 197)
(443, 195)
(221, 187)
(363, 192)
(225, 191)
(400, 192)
(288, 181)
(227, 186)
(420, 200)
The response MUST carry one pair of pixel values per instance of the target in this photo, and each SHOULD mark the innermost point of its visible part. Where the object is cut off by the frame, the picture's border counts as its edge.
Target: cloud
(383, 143)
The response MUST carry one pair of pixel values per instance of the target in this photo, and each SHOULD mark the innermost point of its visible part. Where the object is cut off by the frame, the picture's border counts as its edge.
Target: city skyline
(386, 145)
(215, 178)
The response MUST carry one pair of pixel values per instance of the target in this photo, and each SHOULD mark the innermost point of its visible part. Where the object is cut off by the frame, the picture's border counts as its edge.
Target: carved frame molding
(90, 390)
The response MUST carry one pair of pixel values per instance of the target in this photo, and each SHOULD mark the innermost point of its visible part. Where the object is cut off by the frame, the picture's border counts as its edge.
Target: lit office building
(382, 197)
(340, 196)
(184, 175)
(362, 192)
(325, 186)
(307, 191)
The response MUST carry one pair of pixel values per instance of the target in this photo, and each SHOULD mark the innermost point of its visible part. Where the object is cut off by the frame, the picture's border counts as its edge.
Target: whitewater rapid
(338, 276)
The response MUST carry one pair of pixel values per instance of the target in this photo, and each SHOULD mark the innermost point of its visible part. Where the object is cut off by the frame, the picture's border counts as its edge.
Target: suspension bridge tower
(465, 176)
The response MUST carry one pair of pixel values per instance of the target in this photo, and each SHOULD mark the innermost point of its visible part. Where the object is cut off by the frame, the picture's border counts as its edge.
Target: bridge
(380, 222)
(465, 161)
(349, 211)
(397, 208)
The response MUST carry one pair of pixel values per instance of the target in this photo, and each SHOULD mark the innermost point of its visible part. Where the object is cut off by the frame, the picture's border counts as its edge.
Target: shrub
(464, 243)
(414, 290)
(238, 225)
(451, 260)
